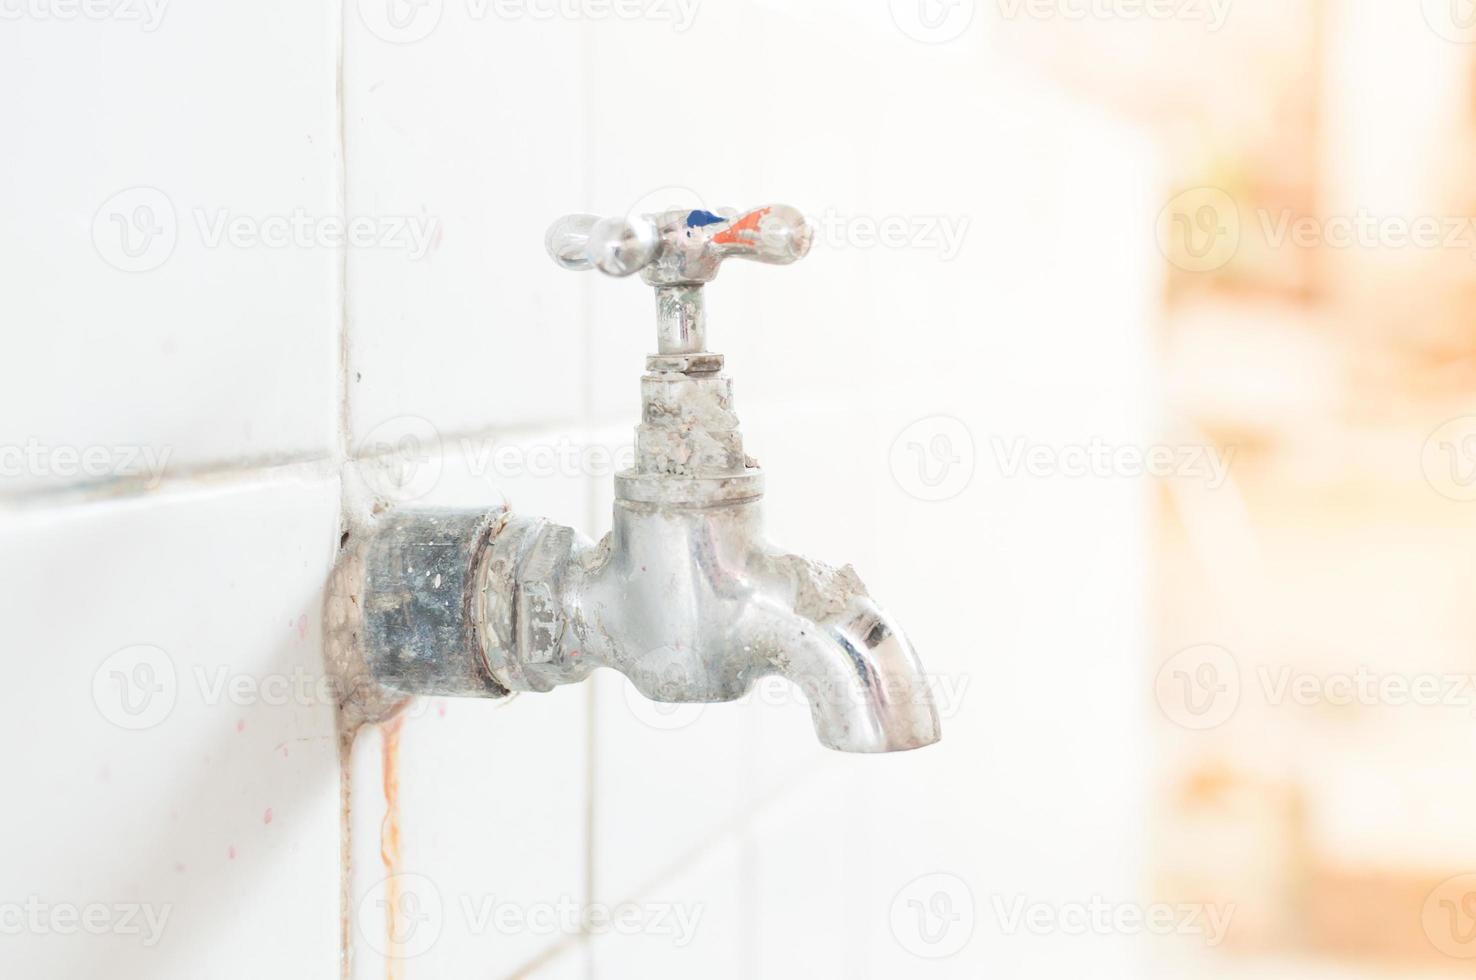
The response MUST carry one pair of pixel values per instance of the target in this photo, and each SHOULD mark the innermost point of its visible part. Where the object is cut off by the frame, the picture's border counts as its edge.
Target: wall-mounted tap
(684, 596)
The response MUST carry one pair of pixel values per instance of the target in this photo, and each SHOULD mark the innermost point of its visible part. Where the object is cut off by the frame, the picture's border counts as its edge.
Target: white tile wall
(168, 747)
(498, 331)
(475, 128)
(689, 925)
(132, 325)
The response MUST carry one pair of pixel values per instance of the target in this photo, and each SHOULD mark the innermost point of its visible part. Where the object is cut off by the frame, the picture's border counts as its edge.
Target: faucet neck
(689, 450)
(681, 319)
(688, 427)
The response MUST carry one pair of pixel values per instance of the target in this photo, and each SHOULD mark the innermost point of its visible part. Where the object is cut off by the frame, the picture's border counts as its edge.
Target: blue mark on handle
(699, 219)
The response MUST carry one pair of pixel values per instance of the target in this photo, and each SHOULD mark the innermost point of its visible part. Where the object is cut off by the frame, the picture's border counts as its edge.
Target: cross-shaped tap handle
(681, 247)
(678, 252)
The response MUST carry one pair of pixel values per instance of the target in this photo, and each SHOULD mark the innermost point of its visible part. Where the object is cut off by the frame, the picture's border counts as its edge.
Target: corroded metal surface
(399, 613)
(420, 633)
(361, 697)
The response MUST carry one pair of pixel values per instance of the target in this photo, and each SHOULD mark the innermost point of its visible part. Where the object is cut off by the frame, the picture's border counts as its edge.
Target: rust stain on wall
(389, 847)
(345, 847)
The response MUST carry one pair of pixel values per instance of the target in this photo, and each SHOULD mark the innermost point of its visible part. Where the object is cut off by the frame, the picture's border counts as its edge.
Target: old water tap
(684, 596)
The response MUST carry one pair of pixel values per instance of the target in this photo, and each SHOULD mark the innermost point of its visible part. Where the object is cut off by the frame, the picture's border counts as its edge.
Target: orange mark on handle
(739, 231)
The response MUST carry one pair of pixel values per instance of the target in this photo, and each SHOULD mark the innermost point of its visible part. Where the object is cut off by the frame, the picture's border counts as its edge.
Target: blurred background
(1316, 329)
(1133, 368)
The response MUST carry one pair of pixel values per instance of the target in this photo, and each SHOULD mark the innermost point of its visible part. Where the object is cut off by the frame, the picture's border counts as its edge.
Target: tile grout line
(342, 424)
(261, 469)
(344, 414)
(587, 417)
(245, 470)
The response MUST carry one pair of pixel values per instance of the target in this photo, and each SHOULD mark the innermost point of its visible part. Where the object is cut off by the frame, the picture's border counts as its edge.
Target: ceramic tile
(168, 659)
(198, 326)
(474, 326)
(694, 924)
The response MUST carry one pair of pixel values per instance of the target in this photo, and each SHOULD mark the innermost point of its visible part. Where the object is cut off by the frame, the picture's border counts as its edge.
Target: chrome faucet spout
(866, 689)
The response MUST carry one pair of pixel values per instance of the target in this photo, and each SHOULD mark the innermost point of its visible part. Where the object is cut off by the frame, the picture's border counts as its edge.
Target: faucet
(684, 596)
